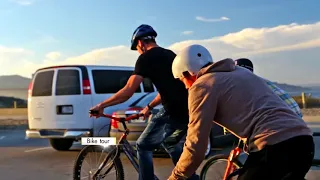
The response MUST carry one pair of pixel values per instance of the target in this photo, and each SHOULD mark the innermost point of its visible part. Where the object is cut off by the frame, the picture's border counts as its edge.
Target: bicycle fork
(113, 154)
(230, 168)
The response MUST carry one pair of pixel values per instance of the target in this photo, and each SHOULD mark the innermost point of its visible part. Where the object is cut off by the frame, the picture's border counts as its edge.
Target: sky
(282, 38)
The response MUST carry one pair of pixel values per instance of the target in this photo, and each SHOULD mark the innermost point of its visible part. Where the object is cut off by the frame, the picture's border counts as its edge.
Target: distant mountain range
(8, 102)
(315, 87)
(14, 82)
(19, 82)
(293, 88)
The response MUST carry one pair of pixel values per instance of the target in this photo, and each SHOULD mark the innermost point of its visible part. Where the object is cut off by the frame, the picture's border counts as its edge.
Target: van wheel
(61, 144)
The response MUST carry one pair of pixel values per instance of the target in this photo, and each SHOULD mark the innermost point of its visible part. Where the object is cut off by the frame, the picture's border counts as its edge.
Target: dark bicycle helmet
(244, 62)
(144, 31)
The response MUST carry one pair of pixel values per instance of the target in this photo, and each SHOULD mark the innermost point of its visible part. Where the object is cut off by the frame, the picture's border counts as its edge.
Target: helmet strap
(143, 49)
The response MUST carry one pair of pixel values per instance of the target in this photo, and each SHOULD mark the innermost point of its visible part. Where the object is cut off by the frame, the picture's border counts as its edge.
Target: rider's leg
(150, 139)
(173, 144)
(290, 159)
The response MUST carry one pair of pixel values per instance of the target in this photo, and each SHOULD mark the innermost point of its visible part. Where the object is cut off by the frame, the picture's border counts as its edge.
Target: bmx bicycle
(232, 165)
(111, 162)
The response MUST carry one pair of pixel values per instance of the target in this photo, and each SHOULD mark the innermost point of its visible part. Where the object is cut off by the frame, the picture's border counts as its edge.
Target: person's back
(172, 120)
(242, 102)
(174, 96)
(262, 117)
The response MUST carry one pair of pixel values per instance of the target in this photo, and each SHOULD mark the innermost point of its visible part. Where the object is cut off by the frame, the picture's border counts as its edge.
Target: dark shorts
(288, 160)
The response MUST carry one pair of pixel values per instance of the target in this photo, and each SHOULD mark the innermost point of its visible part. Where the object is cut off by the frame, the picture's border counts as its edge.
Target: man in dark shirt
(169, 125)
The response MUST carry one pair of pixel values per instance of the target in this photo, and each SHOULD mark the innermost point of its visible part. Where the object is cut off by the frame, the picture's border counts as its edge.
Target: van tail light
(30, 90)
(86, 86)
(114, 123)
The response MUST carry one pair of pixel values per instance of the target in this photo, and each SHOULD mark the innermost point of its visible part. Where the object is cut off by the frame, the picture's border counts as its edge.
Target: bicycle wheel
(215, 168)
(116, 172)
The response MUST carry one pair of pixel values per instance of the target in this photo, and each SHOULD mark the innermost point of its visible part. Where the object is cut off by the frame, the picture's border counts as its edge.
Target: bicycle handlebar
(115, 118)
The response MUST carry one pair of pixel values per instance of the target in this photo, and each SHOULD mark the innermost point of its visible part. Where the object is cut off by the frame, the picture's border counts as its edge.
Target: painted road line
(37, 149)
(2, 137)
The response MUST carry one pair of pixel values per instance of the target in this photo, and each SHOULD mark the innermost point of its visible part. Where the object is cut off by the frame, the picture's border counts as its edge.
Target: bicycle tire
(81, 156)
(215, 159)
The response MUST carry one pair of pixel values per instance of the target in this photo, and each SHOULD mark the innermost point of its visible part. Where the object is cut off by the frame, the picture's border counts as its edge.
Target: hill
(14, 82)
(292, 88)
(8, 102)
(314, 86)
(18, 82)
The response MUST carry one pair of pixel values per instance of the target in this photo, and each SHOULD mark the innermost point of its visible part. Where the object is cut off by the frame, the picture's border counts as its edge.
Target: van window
(68, 82)
(110, 81)
(42, 85)
(147, 85)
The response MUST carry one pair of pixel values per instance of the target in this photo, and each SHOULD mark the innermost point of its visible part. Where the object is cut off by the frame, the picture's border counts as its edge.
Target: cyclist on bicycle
(280, 144)
(246, 63)
(171, 122)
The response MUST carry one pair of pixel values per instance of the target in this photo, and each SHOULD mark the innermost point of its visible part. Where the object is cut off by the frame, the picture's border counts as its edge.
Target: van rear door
(40, 99)
(73, 98)
(67, 107)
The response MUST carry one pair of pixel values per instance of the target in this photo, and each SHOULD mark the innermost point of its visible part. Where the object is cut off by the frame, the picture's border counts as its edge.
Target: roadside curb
(13, 127)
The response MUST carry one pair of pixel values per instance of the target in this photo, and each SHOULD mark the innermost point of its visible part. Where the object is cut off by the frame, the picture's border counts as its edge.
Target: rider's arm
(125, 93)
(202, 108)
(156, 101)
(140, 70)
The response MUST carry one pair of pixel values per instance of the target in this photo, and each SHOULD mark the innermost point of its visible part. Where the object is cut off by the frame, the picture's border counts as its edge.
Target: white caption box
(102, 141)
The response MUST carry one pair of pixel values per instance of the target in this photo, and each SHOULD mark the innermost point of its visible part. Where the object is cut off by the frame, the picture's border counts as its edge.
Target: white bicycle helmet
(191, 59)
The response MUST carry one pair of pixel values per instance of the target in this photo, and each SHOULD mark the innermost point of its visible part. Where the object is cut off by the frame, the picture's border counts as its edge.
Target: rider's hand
(98, 108)
(145, 112)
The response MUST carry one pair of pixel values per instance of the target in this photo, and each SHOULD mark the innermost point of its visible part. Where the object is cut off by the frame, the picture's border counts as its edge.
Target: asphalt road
(30, 159)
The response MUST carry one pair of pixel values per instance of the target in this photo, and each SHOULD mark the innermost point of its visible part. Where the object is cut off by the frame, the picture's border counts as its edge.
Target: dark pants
(288, 160)
(161, 130)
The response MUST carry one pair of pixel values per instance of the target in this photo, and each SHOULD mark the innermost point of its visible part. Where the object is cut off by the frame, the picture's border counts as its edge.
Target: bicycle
(113, 154)
(234, 164)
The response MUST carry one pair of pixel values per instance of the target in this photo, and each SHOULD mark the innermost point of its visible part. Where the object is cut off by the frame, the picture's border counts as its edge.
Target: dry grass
(13, 112)
(310, 102)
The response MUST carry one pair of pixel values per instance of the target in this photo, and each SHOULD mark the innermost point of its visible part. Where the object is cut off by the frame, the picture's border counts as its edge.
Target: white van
(59, 99)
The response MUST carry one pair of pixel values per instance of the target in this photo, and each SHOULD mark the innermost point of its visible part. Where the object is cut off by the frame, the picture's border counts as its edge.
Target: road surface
(29, 159)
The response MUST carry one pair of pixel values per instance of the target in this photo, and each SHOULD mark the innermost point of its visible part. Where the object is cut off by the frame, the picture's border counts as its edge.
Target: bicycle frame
(124, 145)
(234, 154)
(127, 148)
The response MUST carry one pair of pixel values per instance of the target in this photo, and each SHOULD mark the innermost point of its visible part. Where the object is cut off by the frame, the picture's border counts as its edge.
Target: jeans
(161, 130)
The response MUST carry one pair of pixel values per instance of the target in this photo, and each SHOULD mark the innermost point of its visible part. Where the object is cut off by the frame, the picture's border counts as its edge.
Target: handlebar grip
(94, 112)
